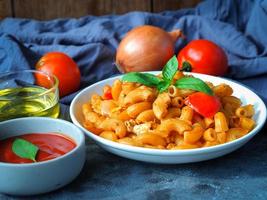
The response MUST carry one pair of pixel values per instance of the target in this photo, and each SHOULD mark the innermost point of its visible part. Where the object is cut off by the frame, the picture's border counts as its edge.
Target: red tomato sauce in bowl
(51, 145)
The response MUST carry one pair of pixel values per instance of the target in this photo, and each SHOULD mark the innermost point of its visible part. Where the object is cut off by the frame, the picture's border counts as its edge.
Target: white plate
(171, 156)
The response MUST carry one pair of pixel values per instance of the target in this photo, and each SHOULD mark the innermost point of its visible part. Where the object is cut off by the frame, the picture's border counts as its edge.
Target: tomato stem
(186, 67)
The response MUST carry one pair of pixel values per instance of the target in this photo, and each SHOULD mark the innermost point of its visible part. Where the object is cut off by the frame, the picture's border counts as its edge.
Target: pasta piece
(210, 84)
(91, 116)
(245, 111)
(210, 135)
(173, 113)
(107, 107)
(126, 87)
(130, 125)
(197, 118)
(171, 146)
(172, 137)
(247, 123)
(153, 147)
(222, 90)
(116, 89)
(169, 125)
(209, 122)
(177, 102)
(179, 139)
(91, 127)
(210, 143)
(123, 116)
(229, 109)
(193, 135)
(234, 101)
(160, 105)
(187, 114)
(221, 137)
(135, 109)
(185, 92)
(139, 95)
(151, 139)
(96, 103)
(186, 146)
(114, 125)
(235, 133)
(129, 141)
(220, 122)
(234, 122)
(86, 108)
(142, 128)
(178, 75)
(110, 135)
(172, 91)
(146, 116)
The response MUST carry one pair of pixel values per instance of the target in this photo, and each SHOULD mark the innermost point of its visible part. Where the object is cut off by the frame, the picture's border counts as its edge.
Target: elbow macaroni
(140, 116)
(160, 105)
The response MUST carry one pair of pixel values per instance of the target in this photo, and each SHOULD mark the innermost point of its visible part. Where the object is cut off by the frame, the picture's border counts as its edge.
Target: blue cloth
(238, 26)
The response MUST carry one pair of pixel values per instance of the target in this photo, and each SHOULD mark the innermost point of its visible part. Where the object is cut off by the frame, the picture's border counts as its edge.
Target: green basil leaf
(143, 78)
(170, 69)
(163, 85)
(25, 149)
(193, 84)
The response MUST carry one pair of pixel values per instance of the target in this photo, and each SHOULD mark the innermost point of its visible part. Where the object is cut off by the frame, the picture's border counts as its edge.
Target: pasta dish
(135, 114)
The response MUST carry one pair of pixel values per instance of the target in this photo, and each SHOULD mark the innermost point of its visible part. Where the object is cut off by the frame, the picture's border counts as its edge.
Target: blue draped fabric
(238, 26)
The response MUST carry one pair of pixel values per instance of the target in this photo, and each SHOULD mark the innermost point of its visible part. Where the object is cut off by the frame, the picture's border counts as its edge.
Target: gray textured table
(239, 175)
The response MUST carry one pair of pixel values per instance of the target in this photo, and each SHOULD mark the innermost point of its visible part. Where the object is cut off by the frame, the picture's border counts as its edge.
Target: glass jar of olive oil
(28, 93)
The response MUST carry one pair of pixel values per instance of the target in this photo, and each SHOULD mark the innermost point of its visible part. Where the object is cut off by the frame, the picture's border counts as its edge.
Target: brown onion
(146, 48)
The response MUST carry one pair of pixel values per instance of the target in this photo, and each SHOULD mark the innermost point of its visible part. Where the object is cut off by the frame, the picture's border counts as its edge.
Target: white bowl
(171, 156)
(46, 176)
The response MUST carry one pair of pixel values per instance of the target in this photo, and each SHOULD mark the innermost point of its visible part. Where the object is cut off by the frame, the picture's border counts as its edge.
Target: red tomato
(204, 104)
(64, 68)
(107, 95)
(203, 56)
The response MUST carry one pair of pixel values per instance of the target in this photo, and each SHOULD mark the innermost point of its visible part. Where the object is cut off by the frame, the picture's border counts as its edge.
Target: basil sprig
(151, 80)
(25, 149)
(143, 78)
(170, 69)
(193, 84)
(168, 72)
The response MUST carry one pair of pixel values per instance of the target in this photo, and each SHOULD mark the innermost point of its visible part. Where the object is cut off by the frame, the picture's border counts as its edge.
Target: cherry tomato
(203, 56)
(107, 95)
(64, 68)
(204, 104)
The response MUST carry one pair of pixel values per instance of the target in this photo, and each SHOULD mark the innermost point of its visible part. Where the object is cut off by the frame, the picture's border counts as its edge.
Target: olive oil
(28, 101)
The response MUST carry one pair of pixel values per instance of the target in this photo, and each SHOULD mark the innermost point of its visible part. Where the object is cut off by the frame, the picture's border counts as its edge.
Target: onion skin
(146, 48)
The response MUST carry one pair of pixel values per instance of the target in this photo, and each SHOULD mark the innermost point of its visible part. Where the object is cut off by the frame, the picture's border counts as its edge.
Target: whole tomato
(64, 68)
(203, 56)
